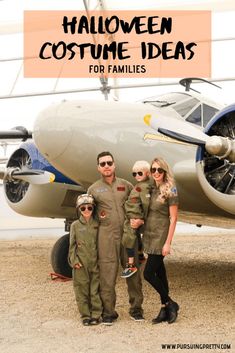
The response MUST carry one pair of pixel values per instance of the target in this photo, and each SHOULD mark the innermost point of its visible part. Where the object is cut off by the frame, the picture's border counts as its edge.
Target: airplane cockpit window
(202, 115)
(208, 113)
(196, 116)
(186, 106)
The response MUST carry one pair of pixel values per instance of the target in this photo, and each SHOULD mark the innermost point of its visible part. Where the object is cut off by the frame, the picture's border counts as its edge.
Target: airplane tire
(59, 257)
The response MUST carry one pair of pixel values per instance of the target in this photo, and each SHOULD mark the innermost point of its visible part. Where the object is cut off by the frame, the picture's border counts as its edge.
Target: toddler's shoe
(129, 271)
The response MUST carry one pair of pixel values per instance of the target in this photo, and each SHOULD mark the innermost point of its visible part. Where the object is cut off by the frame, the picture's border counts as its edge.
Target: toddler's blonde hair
(141, 165)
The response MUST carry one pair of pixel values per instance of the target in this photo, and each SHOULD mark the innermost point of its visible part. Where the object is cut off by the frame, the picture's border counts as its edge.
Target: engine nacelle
(55, 200)
(217, 174)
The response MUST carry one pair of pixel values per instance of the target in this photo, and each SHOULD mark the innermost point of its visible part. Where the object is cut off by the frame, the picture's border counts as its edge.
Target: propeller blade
(36, 177)
(183, 130)
(181, 137)
(17, 133)
(219, 146)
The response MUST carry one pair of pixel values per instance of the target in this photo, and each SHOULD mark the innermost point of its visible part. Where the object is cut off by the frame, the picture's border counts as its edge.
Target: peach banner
(117, 44)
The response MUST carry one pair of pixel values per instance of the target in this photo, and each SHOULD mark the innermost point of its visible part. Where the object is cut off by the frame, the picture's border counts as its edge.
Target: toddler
(136, 207)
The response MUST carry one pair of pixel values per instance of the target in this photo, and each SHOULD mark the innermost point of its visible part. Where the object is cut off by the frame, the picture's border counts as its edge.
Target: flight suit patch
(174, 191)
(134, 200)
(121, 188)
(102, 214)
(148, 195)
(138, 189)
(101, 189)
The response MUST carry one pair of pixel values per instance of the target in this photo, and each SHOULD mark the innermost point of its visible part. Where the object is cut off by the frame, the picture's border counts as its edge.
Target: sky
(23, 111)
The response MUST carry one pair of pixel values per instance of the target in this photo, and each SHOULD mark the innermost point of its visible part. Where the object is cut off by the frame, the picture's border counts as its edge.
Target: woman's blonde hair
(168, 180)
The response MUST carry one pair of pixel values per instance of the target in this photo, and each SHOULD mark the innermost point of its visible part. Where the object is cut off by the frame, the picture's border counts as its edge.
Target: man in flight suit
(110, 194)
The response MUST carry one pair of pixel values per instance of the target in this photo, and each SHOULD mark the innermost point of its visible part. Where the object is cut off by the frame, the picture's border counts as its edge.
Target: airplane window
(208, 113)
(185, 107)
(195, 117)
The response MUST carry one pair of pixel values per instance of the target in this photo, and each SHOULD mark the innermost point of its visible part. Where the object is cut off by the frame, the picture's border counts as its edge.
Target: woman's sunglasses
(137, 173)
(103, 164)
(84, 208)
(159, 170)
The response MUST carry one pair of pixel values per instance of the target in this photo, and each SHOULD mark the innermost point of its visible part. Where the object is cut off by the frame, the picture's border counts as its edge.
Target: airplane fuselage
(70, 136)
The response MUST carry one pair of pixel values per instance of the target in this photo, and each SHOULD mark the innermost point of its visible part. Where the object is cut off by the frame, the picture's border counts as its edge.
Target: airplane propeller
(36, 177)
(19, 174)
(181, 137)
(218, 146)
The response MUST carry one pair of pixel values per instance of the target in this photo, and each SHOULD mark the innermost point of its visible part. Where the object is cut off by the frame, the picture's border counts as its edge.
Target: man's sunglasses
(137, 173)
(103, 164)
(84, 208)
(159, 170)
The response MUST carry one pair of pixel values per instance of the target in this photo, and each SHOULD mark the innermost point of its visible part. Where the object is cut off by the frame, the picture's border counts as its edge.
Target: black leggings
(155, 274)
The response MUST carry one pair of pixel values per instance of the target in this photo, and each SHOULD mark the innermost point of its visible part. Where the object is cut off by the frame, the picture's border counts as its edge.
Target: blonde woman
(158, 234)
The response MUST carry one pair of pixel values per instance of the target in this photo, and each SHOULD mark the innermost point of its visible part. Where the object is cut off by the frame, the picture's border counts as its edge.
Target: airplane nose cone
(215, 145)
(222, 147)
(51, 133)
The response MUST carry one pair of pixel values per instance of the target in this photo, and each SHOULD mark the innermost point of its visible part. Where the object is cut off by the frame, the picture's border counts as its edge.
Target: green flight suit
(110, 201)
(158, 221)
(83, 250)
(136, 207)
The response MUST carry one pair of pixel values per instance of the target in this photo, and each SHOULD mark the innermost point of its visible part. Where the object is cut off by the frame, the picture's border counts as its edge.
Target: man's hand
(136, 223)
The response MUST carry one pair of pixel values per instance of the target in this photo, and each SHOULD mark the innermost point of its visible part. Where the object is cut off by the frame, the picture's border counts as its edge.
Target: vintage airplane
(195, 135)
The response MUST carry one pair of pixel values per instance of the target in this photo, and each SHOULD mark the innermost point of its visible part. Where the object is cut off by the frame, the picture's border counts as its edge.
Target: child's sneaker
(141, 258)
(86, 322)
(94, 321)
(129, 271)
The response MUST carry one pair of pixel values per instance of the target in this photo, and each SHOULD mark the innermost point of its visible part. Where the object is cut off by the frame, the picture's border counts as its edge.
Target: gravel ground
(40, 315)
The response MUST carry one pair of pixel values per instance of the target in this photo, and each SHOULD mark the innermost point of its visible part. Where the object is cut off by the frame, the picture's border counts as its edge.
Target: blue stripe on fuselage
(40, 163)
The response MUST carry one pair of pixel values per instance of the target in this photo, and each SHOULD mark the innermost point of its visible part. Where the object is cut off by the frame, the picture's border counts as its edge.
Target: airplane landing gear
(59, 257)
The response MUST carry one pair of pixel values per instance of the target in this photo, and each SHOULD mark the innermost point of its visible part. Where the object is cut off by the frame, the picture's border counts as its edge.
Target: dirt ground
(40, 315)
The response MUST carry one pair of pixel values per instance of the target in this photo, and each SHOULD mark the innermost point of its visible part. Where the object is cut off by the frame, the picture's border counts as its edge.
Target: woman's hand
(166, 250)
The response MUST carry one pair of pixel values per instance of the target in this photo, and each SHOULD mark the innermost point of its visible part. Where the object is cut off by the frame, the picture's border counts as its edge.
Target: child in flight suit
(83, 260)
(136, 207)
